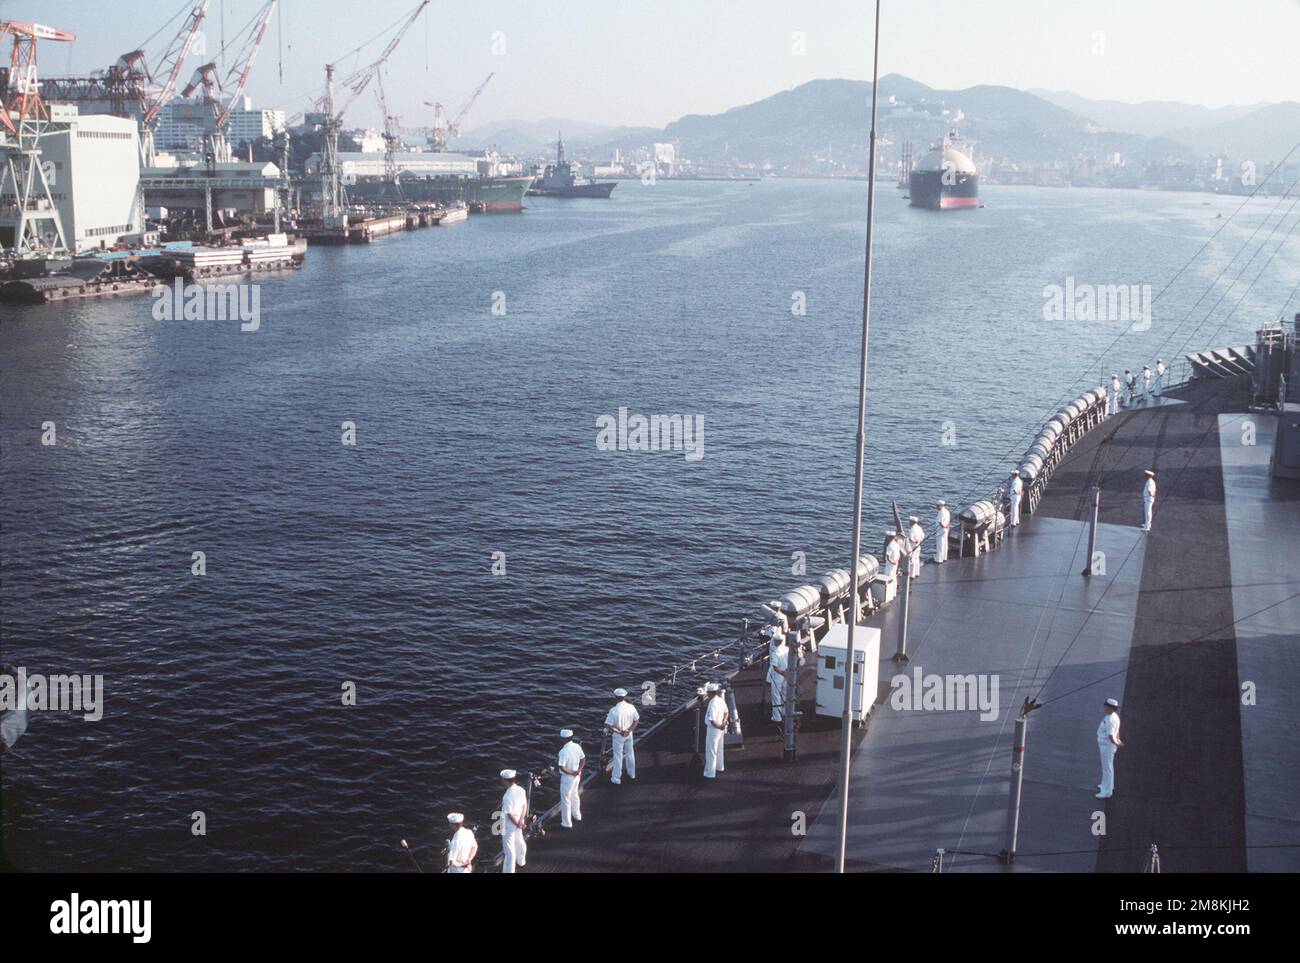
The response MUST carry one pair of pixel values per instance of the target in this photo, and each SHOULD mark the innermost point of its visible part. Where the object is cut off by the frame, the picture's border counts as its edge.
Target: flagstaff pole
(846, 744)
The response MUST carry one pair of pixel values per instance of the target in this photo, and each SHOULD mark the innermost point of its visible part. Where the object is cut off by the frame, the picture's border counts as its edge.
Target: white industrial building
(92, 163)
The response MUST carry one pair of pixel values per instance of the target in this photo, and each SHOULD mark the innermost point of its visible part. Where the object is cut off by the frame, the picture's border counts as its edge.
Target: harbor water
(475, 364)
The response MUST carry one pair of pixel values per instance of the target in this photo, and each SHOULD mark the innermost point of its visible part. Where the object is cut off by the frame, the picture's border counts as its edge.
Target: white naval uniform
(772, 644)
(1017, 488)
(776, 681)
(1158, 388)
(459, 850)
(1115, 389)
(915, 538)
(622, 715)
(715, 715)
(1109, 727)
(1129, 383)
(513, 846)
(893, 555)
(942, 522)
(571, 757)
(1148, 503)
(1146, 385)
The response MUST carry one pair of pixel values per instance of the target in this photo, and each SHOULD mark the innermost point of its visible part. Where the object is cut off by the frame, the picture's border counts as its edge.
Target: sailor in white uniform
(1115, 389)
(716, 718)
(1146, 384)
(1148, 500)
(1108, 743)
(893, 555)
(621, 721)
(942, 522)
(1016, 489)
(775, 635)
(1158, 386)
(776, 670)
(1128, 388)
(915, 539)
(514, 817)
(571, 761)
(462, 847)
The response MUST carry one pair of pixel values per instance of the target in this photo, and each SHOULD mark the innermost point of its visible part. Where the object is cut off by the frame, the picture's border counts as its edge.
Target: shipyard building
(354, 164)
(92, 163)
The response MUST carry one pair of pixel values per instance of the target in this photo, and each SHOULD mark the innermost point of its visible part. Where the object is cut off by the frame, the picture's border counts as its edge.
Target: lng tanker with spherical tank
(946, 177)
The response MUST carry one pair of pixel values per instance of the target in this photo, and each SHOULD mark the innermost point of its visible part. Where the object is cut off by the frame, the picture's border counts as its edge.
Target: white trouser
(915, 558)
(513, 847)
(1157, 386)
(458, 869)
(713, 752)
(1015, 509)
(941, 548)
(1148, 505)
(623, 755)
(1107, 750)
(570, 800)
(777, 683)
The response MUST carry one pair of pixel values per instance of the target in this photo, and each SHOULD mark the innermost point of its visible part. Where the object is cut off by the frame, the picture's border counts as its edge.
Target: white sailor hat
(711, 687)
(1015, 471)
(621, 693)
(507, 774)
(941, 502)
(1151, 473)
(455, 818)
(566, 733)
(1112, 702)
(913, 518)
(890, 534)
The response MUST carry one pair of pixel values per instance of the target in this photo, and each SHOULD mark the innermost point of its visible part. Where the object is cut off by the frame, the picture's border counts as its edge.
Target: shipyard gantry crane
(220, 98)
(392, 133)
(444, 129)
(328, 116)
(137, 85)
(30, 225)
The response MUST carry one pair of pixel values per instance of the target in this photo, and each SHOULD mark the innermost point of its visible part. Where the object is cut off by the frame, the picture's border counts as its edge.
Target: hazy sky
(646, 63)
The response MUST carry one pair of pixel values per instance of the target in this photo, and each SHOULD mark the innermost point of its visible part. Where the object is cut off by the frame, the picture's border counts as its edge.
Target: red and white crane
(30, 225)
(444, 129)
(220, 96)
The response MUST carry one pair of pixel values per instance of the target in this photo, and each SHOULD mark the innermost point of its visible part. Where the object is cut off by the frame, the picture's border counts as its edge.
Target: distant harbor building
(182, 122)
(370, 141)
(94, 173)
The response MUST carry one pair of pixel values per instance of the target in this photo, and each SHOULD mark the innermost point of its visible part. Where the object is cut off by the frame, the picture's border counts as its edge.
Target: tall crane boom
(170, 63)
(329, 116)
(358, 80)
(442, 127)
(454, 127)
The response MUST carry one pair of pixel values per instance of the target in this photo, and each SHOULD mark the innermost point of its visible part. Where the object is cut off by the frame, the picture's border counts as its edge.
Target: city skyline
(612, 68)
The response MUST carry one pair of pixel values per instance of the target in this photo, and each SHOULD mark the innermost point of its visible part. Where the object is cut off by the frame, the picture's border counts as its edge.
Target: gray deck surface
(1264, 542)
(1200, 776)
(929, 779)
